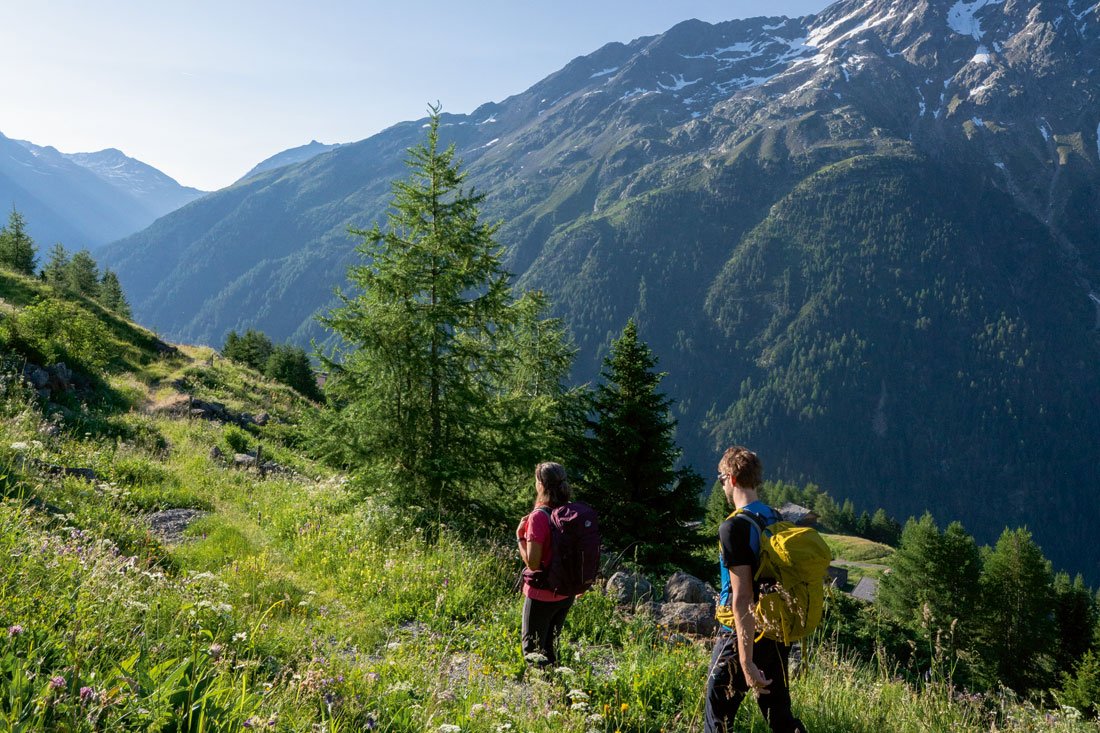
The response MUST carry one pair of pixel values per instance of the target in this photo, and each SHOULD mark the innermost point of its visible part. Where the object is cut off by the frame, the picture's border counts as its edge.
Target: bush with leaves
(52, 331)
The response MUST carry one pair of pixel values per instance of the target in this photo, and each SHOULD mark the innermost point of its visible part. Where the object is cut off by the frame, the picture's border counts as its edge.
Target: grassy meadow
(294, 602)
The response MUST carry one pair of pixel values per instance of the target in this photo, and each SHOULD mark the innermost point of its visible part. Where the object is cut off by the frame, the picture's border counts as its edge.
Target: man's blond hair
(741, 463)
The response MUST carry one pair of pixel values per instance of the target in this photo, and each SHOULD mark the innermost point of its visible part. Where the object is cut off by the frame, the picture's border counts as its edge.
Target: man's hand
(755, 679)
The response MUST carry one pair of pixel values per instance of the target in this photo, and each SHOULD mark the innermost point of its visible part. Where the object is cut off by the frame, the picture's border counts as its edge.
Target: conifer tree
(290, 365)
(82, 275)
(645, 503)
(17, 249)
(1016, 626)
(934, 586)
(253, 348)
(111, 295)
(1075, 619)
(56, 265)
(422, 379)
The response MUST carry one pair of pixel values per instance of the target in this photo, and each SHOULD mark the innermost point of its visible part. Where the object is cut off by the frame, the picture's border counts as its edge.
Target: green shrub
(56, 331)
(237, 439)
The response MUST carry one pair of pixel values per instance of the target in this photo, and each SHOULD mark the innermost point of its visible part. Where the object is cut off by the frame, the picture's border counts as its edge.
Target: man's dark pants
(726, 686)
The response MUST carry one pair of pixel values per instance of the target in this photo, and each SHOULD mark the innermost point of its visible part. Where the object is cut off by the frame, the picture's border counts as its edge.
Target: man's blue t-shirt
(739, 542)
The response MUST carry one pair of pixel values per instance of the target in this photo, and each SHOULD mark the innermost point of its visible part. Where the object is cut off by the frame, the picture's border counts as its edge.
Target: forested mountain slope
(866, 242)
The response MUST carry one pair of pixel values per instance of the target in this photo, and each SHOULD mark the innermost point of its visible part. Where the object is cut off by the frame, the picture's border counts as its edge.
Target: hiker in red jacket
(543, 610)
(740, 662)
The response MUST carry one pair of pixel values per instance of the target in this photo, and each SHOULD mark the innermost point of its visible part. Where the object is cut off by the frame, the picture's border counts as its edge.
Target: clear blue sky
(204, 89)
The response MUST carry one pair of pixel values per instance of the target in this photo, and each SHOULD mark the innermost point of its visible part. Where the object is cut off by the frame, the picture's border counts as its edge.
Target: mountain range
(865, 242)
(84, 200)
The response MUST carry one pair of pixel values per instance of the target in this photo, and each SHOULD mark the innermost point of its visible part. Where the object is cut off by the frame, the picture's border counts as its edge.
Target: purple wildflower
(57, 682)
(87, 695)
(14, 630)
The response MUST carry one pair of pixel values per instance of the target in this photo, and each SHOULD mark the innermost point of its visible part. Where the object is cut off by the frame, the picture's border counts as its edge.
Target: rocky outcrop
(629, 589)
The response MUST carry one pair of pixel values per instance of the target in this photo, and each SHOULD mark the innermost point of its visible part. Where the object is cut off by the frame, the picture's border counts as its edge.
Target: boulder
(684, 588)
(688, 618)
(243, 460)
(60, 377)
(36, 376)
(629, 589)
(216, 453)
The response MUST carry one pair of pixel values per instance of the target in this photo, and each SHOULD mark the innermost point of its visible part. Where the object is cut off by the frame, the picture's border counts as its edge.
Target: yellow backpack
(798, 559)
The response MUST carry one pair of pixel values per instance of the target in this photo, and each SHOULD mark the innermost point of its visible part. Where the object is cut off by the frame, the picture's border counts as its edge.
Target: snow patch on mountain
(678, 83)
(604, 72)
(962, 17)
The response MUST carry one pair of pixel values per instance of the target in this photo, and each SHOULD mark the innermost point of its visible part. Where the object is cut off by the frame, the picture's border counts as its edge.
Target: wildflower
(251, 722)
(449, 728)
(57, 682)
(578, 695)
(215, 650)
(14, 630)
(371, 723)
(476, 708)
(87, 695)
(624, 707)
(564, 671)
(535, 658)
(240, 636)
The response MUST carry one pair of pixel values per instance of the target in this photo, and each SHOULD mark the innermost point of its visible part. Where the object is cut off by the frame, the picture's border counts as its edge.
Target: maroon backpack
(575, 539)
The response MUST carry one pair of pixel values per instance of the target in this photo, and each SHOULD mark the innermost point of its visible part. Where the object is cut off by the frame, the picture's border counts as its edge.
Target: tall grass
(296, 605)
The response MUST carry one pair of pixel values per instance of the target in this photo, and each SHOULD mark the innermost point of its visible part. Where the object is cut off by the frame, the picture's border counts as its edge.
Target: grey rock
(243, 460)
(216, 453)
(37, 377)
(169, 525)
(262, 419)
(629, 589)
(688, 618)
(684, 588)
(61, 377)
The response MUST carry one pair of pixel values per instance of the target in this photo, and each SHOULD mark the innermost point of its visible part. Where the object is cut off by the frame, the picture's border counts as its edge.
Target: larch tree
(82, 275)
(423, 381)
(56, 264)
(934, 587)
(1016, 624)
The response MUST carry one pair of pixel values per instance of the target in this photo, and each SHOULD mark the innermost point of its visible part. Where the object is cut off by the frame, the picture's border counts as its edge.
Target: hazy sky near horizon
(204, 90)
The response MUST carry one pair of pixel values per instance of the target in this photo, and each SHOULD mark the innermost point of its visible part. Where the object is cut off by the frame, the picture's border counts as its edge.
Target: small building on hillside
(798, 515)
(838, 576)
(866, 589)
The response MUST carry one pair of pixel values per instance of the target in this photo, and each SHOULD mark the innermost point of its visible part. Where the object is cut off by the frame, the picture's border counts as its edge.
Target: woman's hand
(521, 530)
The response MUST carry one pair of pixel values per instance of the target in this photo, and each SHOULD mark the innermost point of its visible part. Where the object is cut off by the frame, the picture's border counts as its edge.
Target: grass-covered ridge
(292, 603)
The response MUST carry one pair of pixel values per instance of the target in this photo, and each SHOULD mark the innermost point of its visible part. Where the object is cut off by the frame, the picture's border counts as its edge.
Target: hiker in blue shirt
(740, 662)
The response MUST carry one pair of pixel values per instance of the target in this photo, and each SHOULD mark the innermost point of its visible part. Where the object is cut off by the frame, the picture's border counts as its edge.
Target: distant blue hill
(84, 199)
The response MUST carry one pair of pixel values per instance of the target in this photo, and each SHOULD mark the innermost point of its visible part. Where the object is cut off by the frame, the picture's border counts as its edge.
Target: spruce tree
(17, 249)
(1075, 619)
(420, 380)
(290, 365)
(111, 295)
(253, 348)
(646, 505)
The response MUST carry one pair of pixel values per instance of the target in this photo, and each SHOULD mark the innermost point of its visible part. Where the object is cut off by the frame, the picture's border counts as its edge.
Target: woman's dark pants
(542, 623)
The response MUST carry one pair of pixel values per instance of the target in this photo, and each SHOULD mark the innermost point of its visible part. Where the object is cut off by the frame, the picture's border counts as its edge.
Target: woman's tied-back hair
(554, 481)
(743, 465)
